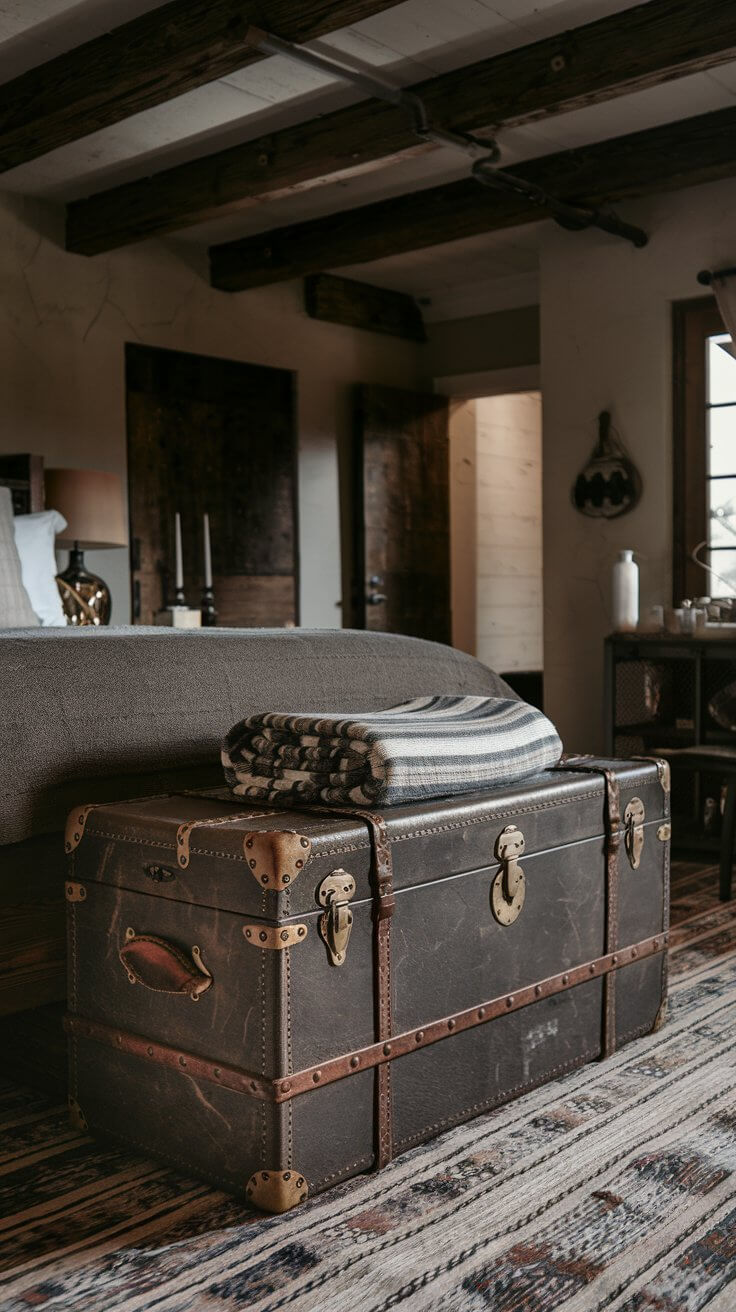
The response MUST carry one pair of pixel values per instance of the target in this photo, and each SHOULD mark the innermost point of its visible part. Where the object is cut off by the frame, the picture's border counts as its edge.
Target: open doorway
(496, 534)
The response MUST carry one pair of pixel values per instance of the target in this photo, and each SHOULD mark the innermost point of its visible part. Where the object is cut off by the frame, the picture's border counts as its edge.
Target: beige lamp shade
(91, 502)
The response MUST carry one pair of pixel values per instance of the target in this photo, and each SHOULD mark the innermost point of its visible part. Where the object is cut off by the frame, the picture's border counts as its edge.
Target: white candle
(207, 553)
(179, 563)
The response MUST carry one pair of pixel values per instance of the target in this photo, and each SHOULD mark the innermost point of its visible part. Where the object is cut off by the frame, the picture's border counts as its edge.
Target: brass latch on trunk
(508, 889)
(634, 831)
(335, 925)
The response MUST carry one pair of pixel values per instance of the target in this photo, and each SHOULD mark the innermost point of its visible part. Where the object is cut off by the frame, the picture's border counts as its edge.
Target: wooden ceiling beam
(162, 54)
(360, 305)
(679, 154)
(612, 56)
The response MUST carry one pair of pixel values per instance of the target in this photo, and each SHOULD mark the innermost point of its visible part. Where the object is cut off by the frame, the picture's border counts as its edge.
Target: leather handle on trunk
(163, 967)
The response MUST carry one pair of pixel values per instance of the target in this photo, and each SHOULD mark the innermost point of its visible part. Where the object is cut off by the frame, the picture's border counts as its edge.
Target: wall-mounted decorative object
(91, 502)
(609, 484)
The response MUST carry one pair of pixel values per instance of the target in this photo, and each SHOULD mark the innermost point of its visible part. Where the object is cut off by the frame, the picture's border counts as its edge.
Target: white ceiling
(409, 42)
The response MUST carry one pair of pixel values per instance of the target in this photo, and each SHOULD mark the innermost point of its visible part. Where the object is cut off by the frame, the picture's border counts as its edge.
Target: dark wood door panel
(402, 512)
(215, 436)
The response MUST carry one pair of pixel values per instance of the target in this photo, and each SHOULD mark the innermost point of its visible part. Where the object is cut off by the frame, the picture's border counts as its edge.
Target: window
(720, 472)
(704, 429)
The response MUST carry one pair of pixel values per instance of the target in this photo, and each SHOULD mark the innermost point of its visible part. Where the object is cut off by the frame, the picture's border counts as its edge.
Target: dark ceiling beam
(680, 154)
(151, 59)
(360, 305)
(613, 56)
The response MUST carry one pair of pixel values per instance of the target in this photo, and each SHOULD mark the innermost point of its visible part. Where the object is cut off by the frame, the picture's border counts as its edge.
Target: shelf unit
(656, 693)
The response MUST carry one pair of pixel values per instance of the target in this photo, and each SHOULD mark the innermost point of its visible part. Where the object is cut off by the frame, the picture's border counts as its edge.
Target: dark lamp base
(85, 598)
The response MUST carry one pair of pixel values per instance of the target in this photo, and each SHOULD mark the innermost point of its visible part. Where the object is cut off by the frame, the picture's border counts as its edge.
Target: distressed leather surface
(235, 1020)
(447, 836)
(273, 1012)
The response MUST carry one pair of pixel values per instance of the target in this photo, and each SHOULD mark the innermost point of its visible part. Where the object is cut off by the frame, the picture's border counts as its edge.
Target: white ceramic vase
(625, 593)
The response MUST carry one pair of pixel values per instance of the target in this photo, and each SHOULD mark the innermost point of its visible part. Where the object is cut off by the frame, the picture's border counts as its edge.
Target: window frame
(693, 322)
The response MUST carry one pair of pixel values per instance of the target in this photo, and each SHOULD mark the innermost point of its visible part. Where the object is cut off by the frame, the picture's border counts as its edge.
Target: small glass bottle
(625, 593)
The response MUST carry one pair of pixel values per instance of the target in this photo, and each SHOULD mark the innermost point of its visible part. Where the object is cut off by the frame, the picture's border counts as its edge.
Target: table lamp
(91, 502)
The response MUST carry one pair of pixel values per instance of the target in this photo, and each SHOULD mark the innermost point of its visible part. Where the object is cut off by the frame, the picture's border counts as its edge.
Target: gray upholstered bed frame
(100, 714)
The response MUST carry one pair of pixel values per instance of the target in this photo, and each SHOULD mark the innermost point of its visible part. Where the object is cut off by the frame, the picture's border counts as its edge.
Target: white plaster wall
(606, 343)
(509, 531)
(64, 320)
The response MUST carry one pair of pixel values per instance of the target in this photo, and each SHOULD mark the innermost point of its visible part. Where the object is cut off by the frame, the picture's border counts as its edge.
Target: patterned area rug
(613, 1188)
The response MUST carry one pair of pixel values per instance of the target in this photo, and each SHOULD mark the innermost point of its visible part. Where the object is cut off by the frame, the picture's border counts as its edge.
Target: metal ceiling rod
(574, 217)
(485, 153)
(379, 89)
(708, 276)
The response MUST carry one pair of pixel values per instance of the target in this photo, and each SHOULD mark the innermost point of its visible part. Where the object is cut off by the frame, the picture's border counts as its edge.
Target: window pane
(722, 440)
(724, 563)
(722, 512)
(721, 370)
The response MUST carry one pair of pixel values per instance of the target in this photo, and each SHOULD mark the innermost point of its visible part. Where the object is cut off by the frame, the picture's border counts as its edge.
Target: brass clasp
(634, 831)
(508, 889)
(335, 925)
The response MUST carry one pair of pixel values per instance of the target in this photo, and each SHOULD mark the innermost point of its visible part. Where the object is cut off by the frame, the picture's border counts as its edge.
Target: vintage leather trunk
(278, 1000)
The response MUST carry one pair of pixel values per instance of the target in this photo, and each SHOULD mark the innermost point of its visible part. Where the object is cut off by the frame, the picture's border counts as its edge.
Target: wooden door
(215, 436)
(402, 513)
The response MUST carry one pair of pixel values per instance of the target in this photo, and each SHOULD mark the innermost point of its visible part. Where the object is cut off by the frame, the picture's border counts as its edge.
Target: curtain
(725, 292)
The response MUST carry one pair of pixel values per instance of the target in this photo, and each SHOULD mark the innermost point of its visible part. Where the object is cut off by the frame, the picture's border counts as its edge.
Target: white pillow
(34, 538)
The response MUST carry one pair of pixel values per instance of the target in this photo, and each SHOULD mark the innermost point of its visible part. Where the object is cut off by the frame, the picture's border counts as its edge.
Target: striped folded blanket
(430, 747)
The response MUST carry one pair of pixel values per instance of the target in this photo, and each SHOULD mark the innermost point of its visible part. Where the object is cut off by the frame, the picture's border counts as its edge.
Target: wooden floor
(694, 888)
(34, 1043)
(34, 1048)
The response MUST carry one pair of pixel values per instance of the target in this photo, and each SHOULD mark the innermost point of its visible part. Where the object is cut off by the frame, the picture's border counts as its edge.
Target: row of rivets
(481, 1013)
(420, 1035)
(88, 1031)
(273, 937)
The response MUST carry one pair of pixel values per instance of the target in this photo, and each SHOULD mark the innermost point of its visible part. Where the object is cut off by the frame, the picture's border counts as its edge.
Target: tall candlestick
(179, 598)
(207, 553)
(179, 562)
(209, 614)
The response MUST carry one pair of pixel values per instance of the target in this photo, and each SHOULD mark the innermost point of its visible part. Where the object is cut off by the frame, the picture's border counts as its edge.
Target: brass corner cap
(275, 936)
(76, 1115)
(275, 858)
(277, 1191)
(74, 829)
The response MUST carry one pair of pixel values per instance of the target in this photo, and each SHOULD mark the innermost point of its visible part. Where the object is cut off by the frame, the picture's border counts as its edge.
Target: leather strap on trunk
(384, 903)
(612, 822)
